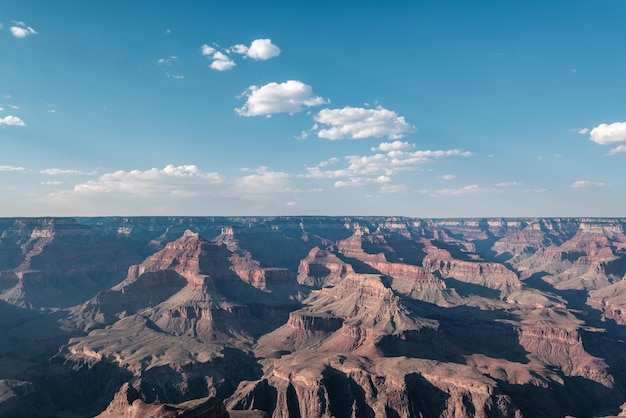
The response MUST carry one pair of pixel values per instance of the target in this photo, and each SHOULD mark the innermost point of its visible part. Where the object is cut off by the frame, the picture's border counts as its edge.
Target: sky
(426, 109)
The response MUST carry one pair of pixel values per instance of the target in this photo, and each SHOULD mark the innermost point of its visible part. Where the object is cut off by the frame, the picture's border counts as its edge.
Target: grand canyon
(312, 317)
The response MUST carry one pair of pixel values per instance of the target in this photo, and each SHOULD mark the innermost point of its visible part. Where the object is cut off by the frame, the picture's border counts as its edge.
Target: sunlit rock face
(312, 317)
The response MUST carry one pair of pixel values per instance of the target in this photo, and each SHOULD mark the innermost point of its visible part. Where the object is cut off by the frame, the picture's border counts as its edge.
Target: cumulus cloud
(11, 168)
(221, 61)
(11, 120)
(291, 96)
(585, 184)
(21, 30)
(583, 131)
(239, 49)
(171, 180)
(207, 50)
(360, 123)
(259, 49)
(60, 171)
(608, 133)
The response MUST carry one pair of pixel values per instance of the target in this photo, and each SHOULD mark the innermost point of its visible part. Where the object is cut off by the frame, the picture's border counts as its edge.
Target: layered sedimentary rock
(312, 317)
(53, 262)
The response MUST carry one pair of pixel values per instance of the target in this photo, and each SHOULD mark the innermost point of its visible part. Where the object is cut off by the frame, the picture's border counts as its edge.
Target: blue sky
(425, 109)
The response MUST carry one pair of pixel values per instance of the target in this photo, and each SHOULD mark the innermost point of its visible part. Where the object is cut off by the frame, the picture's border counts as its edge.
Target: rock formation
(312, 317)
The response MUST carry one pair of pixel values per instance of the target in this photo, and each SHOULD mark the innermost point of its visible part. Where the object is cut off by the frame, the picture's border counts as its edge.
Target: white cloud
(60, 171)
(239, 49)
(362, 170)
(167, 61)
(608, 133)
(447, 177)
(618, 149)
(220, 56)
(207, 50)
(583, 131)
(223, 65)
(259, 49)
(262, 182)
(377, 164)
(11, 168)
(362, 181)
(21, 30)
(360, 123)
(393, 188)
(393, 146)
(221, 62)
(262, 49)
(471, 189)
(174, 76)
(584, 184)
(11, 120)
(291, 96)
(171, 180)
(509, 184)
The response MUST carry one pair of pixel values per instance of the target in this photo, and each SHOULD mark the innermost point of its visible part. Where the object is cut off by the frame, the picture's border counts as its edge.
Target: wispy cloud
(447, 177)
(262, 182)
(172, 180)
(618, 149)
(379, 167)
(362, 181)
(167, 61)
(11, 168)
(585, 184)
(60, 171)
(360, 123)
(21, 30)
(509, 184)
(11, 120)
(289, 97)
(393, 146)
(471, 189)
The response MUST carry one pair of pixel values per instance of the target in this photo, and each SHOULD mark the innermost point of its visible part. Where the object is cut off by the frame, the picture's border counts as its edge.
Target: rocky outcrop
(348, 386)
(564, 349)
(321, 267)
(127, 403)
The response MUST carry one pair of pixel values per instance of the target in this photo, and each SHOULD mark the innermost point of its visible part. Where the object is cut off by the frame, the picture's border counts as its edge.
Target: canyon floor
(312, 317)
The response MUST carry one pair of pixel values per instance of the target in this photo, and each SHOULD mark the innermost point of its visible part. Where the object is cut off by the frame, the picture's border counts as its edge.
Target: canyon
(312, 317)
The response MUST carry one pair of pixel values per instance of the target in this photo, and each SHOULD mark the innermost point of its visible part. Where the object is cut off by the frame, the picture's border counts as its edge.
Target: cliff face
(54, 262)
(312, 317)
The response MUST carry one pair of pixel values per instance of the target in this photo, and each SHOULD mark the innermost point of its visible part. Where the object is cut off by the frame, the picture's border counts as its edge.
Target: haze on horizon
(425, 109)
